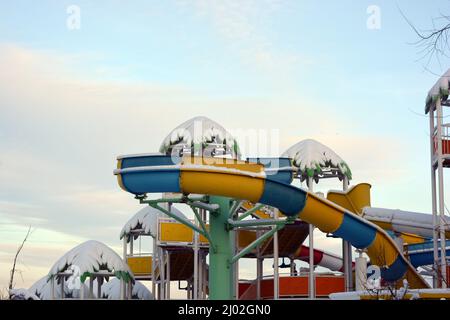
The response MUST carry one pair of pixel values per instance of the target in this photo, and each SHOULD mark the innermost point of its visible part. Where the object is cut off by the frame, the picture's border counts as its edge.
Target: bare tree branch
(432, 43)
(13, 270)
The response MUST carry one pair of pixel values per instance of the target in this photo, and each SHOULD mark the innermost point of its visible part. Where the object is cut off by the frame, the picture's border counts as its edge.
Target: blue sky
(71, 100)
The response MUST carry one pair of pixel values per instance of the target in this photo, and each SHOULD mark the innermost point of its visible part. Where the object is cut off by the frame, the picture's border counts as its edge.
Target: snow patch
(89, 257)
(200, 135)
(111, 291)
(22, 294)
(146, 219)
(438, 91)
(311, 157)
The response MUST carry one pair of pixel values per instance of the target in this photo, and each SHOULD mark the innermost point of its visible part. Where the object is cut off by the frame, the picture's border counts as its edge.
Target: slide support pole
(220, 267)
(347, 252)
(441, 196)
(436, 281)
(311, 280)
(276, 274)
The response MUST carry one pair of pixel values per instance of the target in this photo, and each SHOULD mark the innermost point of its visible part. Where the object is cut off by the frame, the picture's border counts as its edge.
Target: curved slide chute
(323, 259)
(414, 227)
(140, 174)
(422, 254)
(420, 224)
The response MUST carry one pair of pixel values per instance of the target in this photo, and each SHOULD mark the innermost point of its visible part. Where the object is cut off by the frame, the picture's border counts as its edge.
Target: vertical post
(162, 273)
(131, 245)
(91, 287)
(236, 268)
(220, 269)
(259, 268)
(292, 267)
(436, 278)
(347, 252)
(99, 287)
(204, 265)
(196, 248)
(62, 279)
(361, 273)
(125, 249)
(276, 275)
(52, 291)
(259, 276)
(311, 280)
(168, 276)
(82, 287)
(154, 260)
(122, 289)
(441, 195)
(130, 290)
(188, 291)
(200, 275)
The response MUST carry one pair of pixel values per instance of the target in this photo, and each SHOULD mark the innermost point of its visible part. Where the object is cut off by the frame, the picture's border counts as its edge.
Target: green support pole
(220, 269)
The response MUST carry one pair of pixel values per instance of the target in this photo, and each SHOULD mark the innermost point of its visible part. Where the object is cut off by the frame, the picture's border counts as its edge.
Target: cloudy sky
(74, 94)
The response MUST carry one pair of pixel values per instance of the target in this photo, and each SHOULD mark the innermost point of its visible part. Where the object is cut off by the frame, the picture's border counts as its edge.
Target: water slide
(257, 183)
(322, 258)
(420, 224)
(412, 226)
(421, 254)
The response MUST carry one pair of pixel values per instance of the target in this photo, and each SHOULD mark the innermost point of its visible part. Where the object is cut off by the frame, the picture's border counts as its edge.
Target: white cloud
(243, 25)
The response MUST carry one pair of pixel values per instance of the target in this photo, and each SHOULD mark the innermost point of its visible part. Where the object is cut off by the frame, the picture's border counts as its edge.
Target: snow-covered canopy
(311, 157)
(200, 136)
(43, 289)
(146, 219)
(439, 91)
(22, 294)
(111, 291)
(90, 257)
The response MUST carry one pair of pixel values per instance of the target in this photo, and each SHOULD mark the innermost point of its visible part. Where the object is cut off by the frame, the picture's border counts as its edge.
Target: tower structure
(436, 100)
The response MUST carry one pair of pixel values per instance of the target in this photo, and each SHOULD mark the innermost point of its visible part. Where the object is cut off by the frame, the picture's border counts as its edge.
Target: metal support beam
(220, 271)
(311, 280)
(251, 211)
(180, 220)
(256, 243)
(203, 226)
(436, 277)
(196, 249)
(276, 275)
(154, 261)
(162, 274)
(261, 222)
(259, 276)
(202, 205)
(168, 276)
(183, 199)
(200, 275)
(236, 205)
(441, 195)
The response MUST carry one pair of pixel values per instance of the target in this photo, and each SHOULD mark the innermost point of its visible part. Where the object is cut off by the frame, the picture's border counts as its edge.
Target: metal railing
(445, 139)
